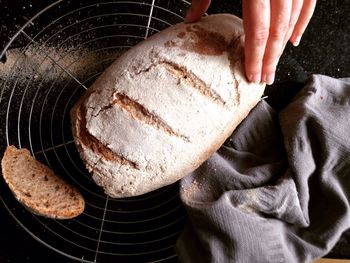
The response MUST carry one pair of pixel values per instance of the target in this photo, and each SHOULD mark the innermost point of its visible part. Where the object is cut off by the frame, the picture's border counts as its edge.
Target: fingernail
(255, 78)
(297, 41)
(270, 78)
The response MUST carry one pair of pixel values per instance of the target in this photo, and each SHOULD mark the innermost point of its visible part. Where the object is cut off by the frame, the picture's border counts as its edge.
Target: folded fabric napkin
(279, 190)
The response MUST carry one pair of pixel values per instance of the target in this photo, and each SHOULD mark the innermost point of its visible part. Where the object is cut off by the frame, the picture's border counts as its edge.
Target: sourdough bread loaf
(164, 106)
(38, 188)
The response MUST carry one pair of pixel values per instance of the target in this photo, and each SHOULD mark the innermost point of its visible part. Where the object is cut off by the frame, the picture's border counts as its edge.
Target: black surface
(324, 49)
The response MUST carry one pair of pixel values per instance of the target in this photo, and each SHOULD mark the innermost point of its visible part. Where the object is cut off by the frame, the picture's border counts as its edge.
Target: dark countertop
(324, 49)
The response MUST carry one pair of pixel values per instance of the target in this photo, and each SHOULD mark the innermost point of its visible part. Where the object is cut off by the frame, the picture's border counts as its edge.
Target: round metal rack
(67, 45)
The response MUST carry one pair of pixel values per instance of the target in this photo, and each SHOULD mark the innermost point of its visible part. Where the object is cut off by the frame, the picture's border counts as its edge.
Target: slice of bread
(38, 188)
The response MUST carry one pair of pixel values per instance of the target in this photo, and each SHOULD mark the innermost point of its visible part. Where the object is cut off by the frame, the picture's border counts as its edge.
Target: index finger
(197, 9)
(256, 22)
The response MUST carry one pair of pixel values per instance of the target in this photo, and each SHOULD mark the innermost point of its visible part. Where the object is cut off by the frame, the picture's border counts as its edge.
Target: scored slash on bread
(38, 188)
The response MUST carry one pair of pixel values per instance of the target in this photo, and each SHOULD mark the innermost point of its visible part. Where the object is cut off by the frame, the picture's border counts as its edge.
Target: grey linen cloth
(279, 190)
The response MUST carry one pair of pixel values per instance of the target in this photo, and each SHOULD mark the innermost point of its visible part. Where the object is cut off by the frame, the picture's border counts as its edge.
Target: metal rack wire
(36, 105)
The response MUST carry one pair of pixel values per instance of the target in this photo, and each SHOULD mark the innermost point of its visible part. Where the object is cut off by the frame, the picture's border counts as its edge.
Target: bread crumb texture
(38, 188)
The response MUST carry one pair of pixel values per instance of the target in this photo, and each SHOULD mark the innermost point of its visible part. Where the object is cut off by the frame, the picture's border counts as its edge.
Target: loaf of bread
(38, 188)
(164, 106)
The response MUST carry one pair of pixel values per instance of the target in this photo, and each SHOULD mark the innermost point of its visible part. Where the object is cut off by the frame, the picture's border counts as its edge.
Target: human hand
(268, 25)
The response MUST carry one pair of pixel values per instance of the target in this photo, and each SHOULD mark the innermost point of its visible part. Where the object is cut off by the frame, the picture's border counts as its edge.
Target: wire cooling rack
(68, 44)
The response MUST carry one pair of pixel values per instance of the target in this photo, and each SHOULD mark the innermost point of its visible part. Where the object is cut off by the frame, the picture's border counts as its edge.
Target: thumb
(197, 9)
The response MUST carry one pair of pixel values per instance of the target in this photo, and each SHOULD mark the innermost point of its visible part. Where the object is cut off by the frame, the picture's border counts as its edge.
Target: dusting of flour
(46, 63)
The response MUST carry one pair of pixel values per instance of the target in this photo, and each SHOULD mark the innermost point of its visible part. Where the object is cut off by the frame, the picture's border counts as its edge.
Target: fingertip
(270, 78)
(197, 10)
(189, 18)
(296, 41)
(255, 78)
(192, 16)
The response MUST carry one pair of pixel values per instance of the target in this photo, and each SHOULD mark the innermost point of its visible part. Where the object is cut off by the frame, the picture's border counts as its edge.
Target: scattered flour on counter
(38, 62)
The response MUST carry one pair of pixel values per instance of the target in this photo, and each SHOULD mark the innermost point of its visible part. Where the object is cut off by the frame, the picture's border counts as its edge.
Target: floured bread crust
(164, 106)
